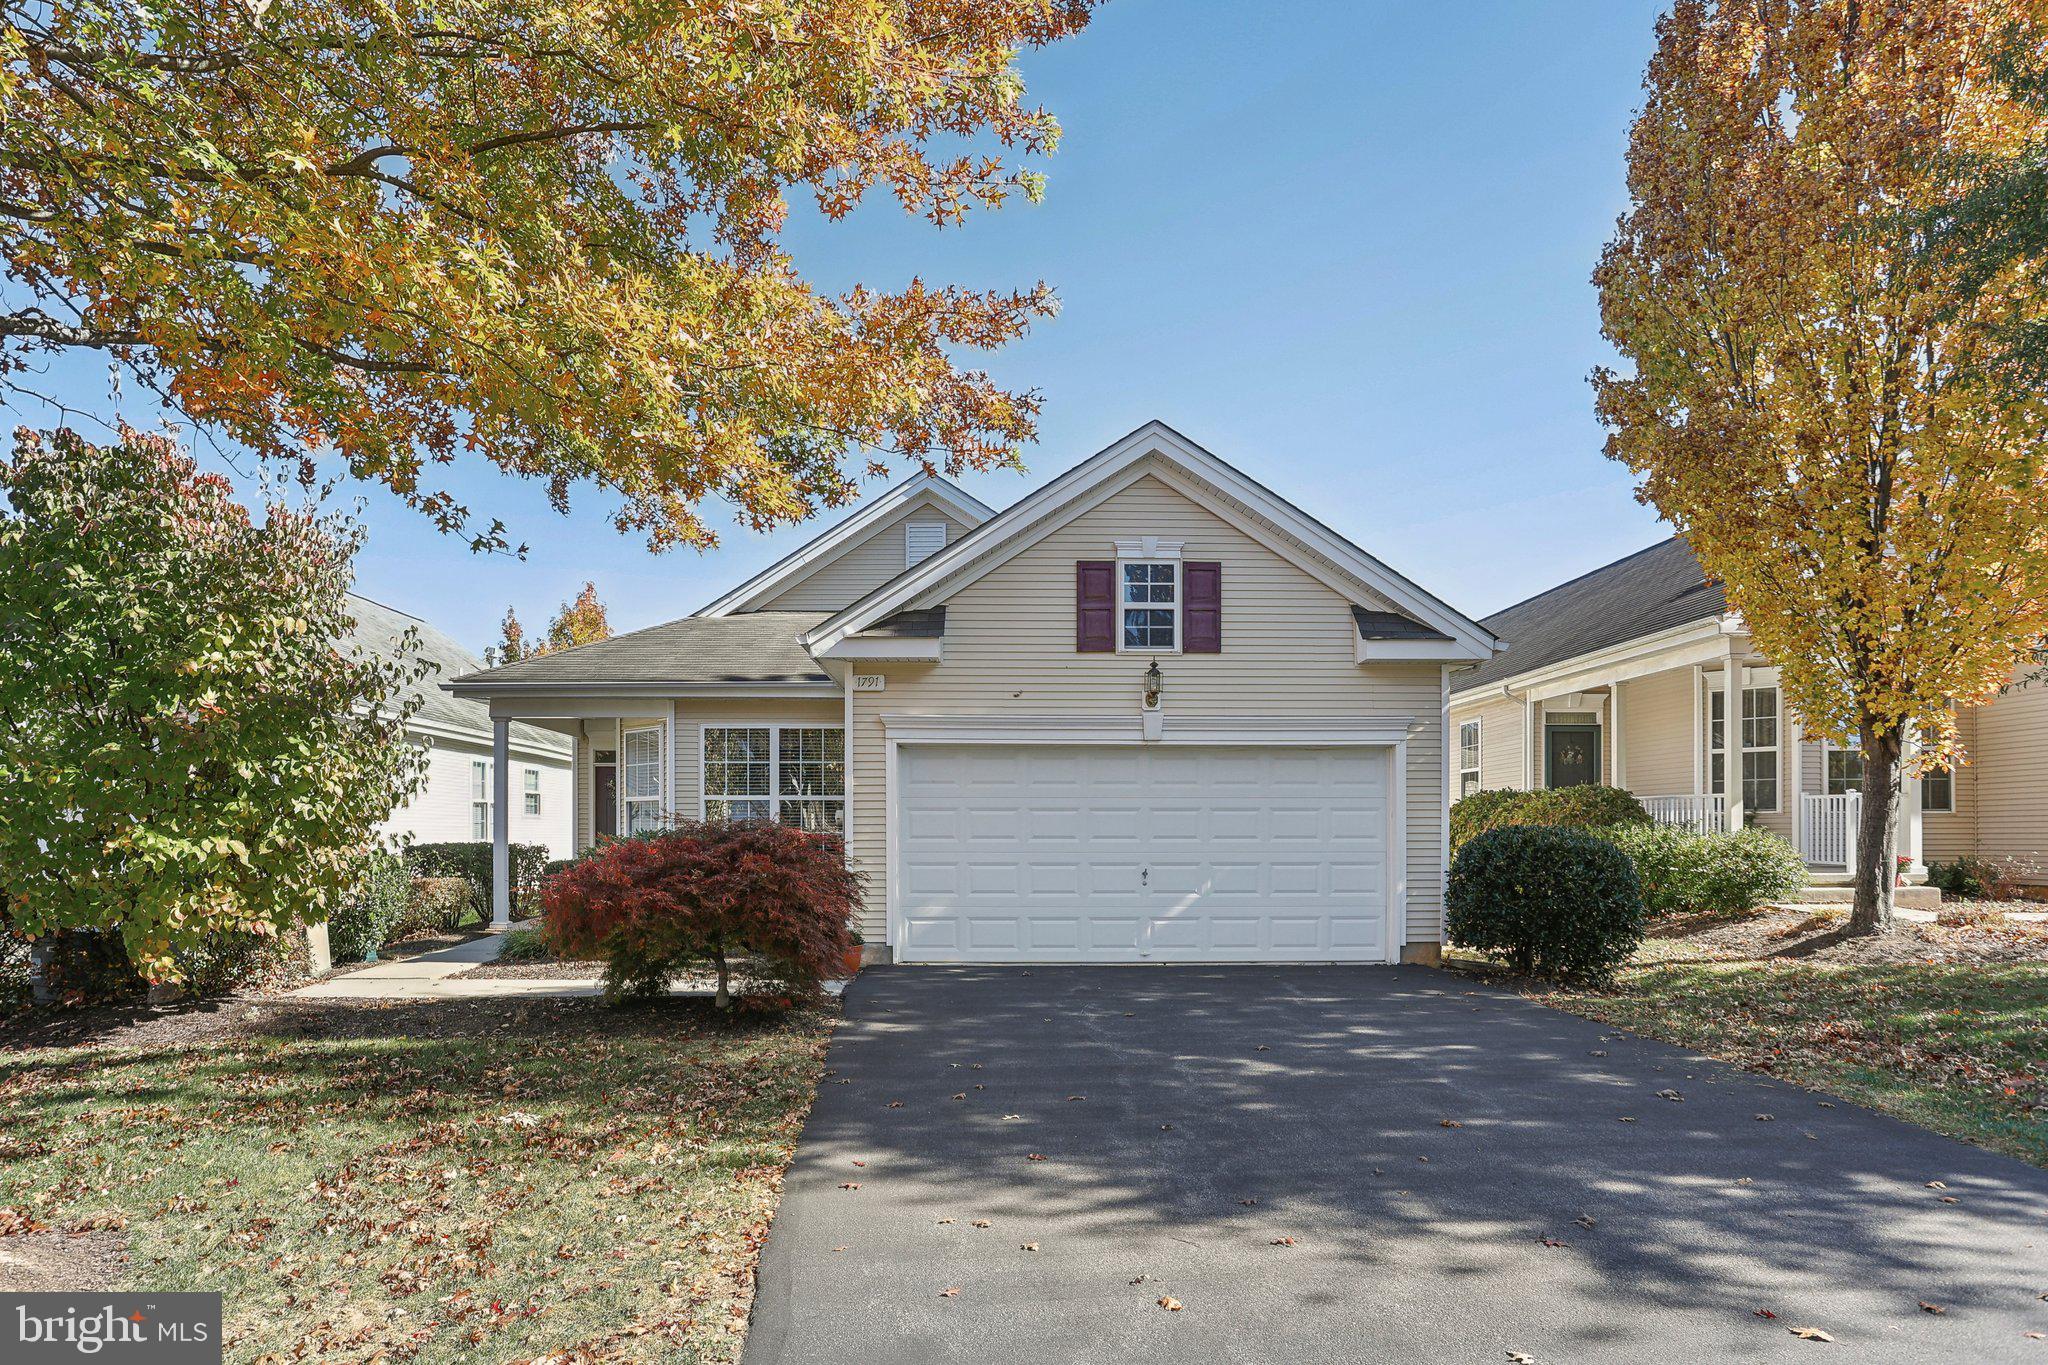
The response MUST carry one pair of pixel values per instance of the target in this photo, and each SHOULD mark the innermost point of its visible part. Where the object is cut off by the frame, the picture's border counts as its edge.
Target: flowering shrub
(708, 893)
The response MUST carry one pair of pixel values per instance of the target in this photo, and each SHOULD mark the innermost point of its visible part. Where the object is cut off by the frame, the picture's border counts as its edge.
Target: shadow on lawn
(1415, 1124)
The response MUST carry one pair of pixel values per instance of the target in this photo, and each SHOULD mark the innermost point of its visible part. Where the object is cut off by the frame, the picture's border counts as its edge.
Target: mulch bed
(1964, 933)
(532, 971)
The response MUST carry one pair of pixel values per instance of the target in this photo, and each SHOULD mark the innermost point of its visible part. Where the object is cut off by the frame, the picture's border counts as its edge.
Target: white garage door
(1112, 853)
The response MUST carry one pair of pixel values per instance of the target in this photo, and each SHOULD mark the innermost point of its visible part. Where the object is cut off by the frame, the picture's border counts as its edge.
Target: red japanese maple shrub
(770, 898)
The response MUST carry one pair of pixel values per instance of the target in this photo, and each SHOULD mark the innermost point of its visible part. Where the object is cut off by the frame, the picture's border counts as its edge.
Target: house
(454, 805)
(1632, 674)
(1152, 712)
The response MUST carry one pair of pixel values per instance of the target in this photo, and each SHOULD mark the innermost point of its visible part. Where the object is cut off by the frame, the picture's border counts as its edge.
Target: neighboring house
(1151, 712)
(455, 804)
(1637, 675)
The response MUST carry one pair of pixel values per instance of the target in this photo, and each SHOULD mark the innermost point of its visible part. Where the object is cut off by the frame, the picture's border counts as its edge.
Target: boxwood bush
(1551, 902)
(1586, 807)
(1684, 872)
(472, 863)
(364, 919)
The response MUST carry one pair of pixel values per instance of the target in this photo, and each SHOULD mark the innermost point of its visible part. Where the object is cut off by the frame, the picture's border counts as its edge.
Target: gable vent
(922, 540)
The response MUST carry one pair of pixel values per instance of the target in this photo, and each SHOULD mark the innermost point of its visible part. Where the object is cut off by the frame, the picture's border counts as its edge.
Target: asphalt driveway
(1357, 1164)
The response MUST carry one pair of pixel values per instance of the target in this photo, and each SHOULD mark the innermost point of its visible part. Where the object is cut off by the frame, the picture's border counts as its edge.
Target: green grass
(532, 1178)
(1961, 1048)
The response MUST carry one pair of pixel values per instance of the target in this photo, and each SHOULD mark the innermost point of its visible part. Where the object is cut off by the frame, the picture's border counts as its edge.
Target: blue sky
(1344, 246)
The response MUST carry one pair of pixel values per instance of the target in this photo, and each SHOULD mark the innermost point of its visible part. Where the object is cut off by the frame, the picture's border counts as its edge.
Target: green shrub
(224, 963)
(363, 921)
(1588, 807)
(1685, 872)
(1554, 902)
(472, 863)
(525, 944)
(1965, 879)
(435, 905)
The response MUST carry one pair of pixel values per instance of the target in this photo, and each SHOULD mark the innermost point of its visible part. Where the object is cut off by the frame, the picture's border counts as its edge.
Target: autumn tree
(542, 236)
(581, 622)
(188, 747)
(1807, 401)
(511, 646)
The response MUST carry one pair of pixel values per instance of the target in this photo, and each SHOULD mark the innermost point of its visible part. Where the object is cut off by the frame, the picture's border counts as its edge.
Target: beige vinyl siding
(1656, 729)
(1288, 649)
(2010, 768)
(861, 568)
(1500, 741)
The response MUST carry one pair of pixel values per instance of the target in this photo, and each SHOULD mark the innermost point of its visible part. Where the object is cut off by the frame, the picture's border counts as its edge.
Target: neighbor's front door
(1572, 756)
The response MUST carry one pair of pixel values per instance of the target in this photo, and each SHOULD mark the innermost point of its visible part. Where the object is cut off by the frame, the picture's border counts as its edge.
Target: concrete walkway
(433, 976)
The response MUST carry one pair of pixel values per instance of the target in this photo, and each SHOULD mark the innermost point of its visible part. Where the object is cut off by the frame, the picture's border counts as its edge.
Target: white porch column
(1619, 778)
(1795, 735)
(1910, 822)
(1731, 738)
(501, 824)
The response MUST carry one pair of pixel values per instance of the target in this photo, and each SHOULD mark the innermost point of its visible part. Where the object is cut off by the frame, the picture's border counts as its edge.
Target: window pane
(1717, 774)
(736, 810)
(815, 816)
(1760, 780)
(642, 816)
(533, 779)
(480, 781)
(1845, 771)
(480, 823)
(1468, 744)
(1760, 718)
(1149, 582)
(813, 763)
(736, 762)
(1468, 783)
(1937, 790)
(1147, 628)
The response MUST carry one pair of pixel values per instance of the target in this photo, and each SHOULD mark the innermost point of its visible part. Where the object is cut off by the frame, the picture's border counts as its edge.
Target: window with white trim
(922, 540)
(1844, 770)
(1148, 605)
(1760, 748)
(480, 800)
(640, 779)
(1717, 742)
(1938, 791)
(532, 793)
(1468, 758)
(795, 774)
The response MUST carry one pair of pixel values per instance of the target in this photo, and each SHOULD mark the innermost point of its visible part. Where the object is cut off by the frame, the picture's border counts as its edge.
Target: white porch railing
(1707, 814)
(1827, 829)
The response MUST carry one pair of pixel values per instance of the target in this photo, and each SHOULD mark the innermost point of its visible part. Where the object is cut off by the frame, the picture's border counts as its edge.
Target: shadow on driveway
(1417, 1135)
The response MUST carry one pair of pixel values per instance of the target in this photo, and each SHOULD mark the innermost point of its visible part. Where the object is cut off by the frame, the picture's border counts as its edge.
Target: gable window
(1468, 758)
(480, 800)
(922, 540)
(792, 773)
(1759, 748)
(532, 793)
(640, 779)
(1148, 610)
(1938, 791)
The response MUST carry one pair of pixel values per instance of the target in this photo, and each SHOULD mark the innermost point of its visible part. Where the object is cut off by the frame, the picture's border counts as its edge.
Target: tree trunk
(1877, 833)
(723, 1000)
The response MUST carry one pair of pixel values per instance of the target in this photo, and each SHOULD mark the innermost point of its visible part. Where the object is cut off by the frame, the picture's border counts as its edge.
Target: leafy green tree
(185, 747)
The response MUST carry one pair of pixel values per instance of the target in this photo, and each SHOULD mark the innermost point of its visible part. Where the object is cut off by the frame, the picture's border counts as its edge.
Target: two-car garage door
(1158, 853)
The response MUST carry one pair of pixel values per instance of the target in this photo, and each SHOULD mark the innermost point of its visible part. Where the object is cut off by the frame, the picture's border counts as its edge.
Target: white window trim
(1950, 808)
(774, 798)
(1828, 746)
(1716, 693)
(1775, 750)
(661, 777)
(1478, 754)
(530, 791)
(480, 800)
(1149, 550)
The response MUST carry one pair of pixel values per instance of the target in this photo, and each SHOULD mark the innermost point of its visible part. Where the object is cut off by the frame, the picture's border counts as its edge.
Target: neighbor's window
(792, 773)
(1468, 758)
(480, 800)
(1938, 790)
(1148, 604)
(640, 779)
(1845, 771)
(532, 791)
(1759, 748)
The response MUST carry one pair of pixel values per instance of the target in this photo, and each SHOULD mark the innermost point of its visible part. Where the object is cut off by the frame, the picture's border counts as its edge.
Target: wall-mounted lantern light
(1155, 682)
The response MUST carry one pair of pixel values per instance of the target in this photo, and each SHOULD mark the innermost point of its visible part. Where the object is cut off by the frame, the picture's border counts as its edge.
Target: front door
(1572, 756)
(605, 794)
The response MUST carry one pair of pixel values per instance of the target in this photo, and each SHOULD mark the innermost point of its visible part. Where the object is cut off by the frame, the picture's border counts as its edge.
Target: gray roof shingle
(927, 623)
(1651, 590)
(379, 629)
(752, 647)
(1392, 625)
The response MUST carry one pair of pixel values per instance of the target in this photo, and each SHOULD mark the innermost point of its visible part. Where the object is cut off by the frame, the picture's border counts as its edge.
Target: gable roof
(1649, 591)
(380, 629)
(696, 651)
(822, 549)
(1302, 539)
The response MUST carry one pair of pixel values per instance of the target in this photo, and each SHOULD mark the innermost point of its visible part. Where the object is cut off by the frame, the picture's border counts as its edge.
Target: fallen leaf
(1766, 1118)
(895, 1104)
(1013, 1116)
(944, 1221)
(1520, 1358)
(961, 1096)
(1165, 1127)
(1553, 1242)
(1249, 1202)
(1029, 1246)
(1449, 1123)
(1283, 1241)
(1809, 1334)
(1036, 1156)
(1262, 1048)
(1671, 1095)
(1626, 1119)
(839, 1248)
(1140, 1280)
(850, 1185)
(1170, 1304)
(1950, 1199)
(1599, 1052)
(860, 1163)
(950, 1293)
(1765, 1313)
(1072, 1098)
(1937, 1184)
(1825, 1104)
(983, 1223)
(1585, 1220)
(1935, 1308)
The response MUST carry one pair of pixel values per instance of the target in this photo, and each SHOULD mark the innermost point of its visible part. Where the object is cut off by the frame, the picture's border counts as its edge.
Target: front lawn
(447, 1182)
(1942, 1025)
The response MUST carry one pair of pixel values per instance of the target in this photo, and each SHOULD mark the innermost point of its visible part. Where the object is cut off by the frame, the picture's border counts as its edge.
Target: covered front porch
(1694, 724)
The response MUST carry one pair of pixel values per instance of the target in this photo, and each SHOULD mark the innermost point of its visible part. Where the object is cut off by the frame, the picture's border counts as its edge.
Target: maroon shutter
(1202, 586)
(1095, 606)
